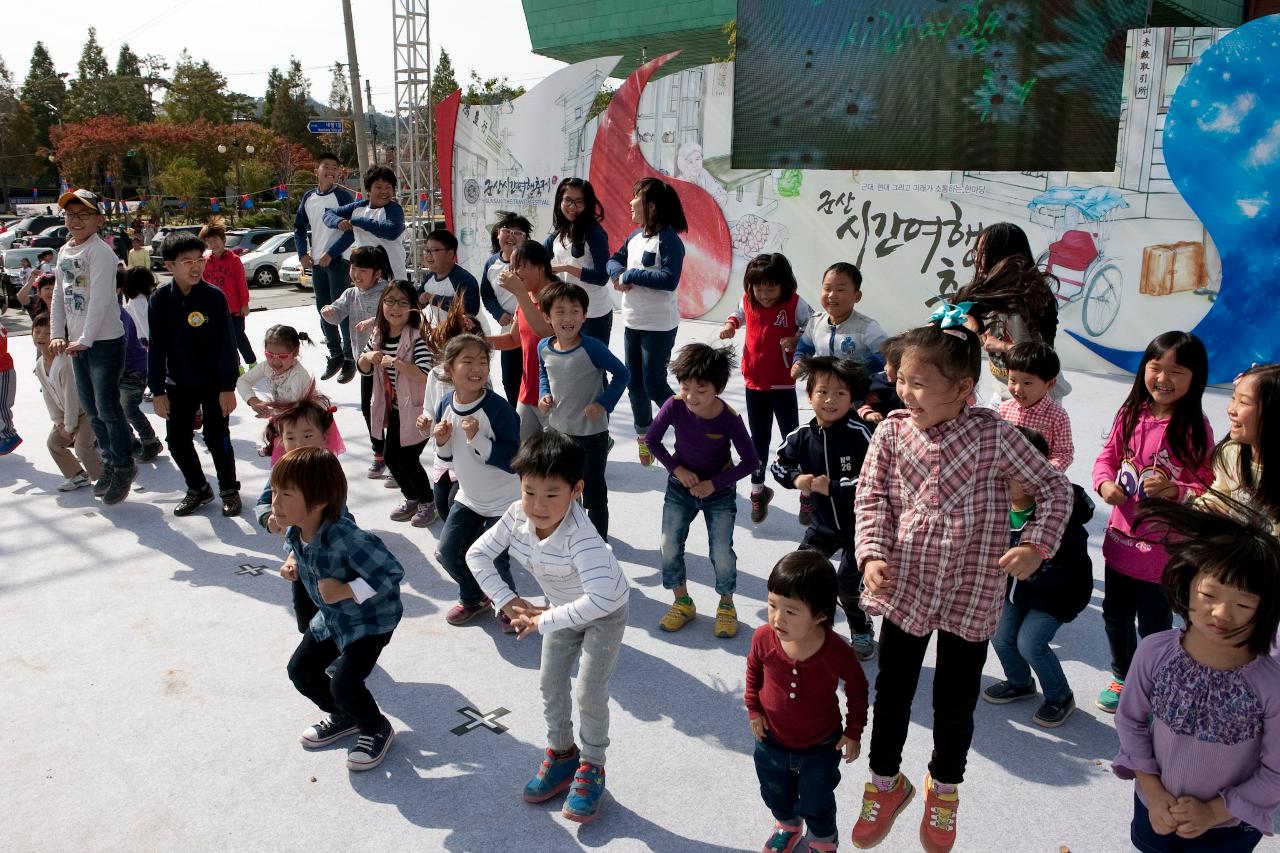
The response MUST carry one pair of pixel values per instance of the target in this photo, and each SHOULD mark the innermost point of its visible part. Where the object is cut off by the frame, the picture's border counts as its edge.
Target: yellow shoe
(677, 617)
(646, 458)
(726, 622)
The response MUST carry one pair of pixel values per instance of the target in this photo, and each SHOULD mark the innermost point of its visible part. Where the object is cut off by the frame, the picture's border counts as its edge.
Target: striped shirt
(1050, 420)
(575, 568)
(422, 359)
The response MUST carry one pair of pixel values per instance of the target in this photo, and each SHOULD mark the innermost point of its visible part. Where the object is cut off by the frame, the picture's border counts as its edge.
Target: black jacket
(882, 396)
(193, 343)
(1063, 584)
(836, 451)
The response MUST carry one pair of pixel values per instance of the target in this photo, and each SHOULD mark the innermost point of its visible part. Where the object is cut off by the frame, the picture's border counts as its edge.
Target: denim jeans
(800, 783)
(132, 384)
(1023, 638)
(600, 328)
(98, 371)
(461, 530)
(327, 283)
(647, 355)
(593, 647)
(679, 508)
(1124, 599)
(1240, 838)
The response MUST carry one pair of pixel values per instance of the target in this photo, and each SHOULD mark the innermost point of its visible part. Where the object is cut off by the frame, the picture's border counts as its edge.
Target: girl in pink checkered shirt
(932, 513)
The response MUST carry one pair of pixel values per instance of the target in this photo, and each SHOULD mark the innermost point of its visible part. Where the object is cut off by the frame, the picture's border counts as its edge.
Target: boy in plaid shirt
(1033, 372)
(355, 582)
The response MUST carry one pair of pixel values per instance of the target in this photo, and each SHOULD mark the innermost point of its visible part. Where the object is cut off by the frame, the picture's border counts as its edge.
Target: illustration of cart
(1077, 256)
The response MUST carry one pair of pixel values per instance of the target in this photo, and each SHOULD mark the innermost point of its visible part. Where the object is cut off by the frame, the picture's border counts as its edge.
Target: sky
(243, 44)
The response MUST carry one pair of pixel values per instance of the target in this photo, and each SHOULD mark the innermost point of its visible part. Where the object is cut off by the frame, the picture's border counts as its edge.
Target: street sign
(324, 126)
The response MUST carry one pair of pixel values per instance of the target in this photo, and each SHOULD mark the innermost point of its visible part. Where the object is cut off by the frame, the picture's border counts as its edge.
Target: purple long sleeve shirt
(702, 445)
(1212, 732)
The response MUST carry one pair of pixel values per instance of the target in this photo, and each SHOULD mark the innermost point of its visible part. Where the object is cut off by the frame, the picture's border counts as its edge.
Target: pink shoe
(461, 614)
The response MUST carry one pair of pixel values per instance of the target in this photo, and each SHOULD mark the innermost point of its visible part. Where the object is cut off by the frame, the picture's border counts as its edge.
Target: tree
(291, 108)
(129, 95)
(44, 93)
(17, 133)
(601, 101)
(197, 92)
(184, 179)
(494, 90)
(443, 82)
(274, 81)
(90, 93)
(340, 107)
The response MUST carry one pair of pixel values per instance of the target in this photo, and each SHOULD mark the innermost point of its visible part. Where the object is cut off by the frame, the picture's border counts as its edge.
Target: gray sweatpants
(595, 647)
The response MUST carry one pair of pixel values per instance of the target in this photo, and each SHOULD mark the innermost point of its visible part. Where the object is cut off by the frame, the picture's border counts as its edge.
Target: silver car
(262, 267)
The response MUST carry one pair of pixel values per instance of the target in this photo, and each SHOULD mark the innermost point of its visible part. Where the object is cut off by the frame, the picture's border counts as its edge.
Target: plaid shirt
(934, 505)
(344, 552)
(1050, 420)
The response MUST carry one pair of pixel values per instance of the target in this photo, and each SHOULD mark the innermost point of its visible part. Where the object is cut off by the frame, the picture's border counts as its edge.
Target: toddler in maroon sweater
(794, 671)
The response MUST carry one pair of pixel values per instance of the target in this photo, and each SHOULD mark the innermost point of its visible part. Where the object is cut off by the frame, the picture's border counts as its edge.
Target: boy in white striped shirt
(548, 532)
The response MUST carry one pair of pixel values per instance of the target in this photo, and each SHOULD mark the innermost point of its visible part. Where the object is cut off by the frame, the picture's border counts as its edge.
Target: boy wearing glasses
(192, 364)
(447, 278)
(85, 324)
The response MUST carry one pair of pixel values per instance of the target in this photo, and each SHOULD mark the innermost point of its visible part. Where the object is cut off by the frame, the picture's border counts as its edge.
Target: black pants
(345, 692)
(956, 682)
(405, 462)
(512, 361)
(443, 492)
(1125, 598)
(366, 401)
(763, 407)
(595, 491)
(179, 431)
(849, 577)
(242, 341)
(303, 607)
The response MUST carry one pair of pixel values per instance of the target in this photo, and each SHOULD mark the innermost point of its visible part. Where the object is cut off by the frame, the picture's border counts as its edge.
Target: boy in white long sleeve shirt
(548, 532)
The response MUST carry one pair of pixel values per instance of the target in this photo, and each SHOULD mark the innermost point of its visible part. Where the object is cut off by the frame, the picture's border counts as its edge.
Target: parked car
(27, 225)
(262, 268)
(242, 241)
(157, 263)
(50, 238)
(10, 263)
(291, 272)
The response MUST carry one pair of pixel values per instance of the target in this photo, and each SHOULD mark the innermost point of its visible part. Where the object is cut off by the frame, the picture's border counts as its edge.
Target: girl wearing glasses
(509, 231)
(579, 249)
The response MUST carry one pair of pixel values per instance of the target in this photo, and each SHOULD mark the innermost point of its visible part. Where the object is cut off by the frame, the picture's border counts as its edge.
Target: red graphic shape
(617, 163)
(446, 124)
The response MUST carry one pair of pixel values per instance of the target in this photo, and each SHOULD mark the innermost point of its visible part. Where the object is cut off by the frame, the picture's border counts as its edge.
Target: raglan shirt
(486, 483)
(374, 226)
(574, 378)
(652, 265)
(310, 233)
(592, 257)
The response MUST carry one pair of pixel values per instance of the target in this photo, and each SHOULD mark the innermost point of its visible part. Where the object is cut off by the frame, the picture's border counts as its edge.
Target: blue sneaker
(553, 777)
(9, 444)
(584, 795)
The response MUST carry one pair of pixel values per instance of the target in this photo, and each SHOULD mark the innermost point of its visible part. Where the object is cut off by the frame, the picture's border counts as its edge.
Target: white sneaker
(79, 481)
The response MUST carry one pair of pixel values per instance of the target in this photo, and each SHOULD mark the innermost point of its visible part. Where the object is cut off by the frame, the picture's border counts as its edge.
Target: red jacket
(227, 274)
(764, 365)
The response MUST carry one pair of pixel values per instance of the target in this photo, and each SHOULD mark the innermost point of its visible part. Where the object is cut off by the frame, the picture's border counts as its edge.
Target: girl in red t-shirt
(529, 271)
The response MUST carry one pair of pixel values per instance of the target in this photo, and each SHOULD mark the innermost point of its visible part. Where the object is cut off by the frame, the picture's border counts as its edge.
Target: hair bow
(947, 315)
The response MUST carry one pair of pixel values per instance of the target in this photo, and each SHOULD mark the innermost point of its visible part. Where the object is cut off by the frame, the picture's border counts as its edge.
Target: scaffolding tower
(415, 121)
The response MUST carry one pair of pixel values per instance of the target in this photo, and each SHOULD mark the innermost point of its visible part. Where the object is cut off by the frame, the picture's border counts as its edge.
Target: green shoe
(1109, 698)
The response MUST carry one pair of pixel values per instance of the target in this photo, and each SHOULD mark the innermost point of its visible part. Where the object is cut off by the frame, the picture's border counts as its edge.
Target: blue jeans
(800, 783)
(600, 328)
(679, 508)
(98, 371)
(647, 355)
(1022, 638)
(1227, 839)
(132, 384)
(461, 530)
(327, 283)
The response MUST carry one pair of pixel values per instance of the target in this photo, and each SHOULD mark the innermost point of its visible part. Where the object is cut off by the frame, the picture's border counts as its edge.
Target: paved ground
(146, 706)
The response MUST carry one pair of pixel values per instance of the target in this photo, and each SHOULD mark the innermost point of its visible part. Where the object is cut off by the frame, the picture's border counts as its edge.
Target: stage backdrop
(1133, 258)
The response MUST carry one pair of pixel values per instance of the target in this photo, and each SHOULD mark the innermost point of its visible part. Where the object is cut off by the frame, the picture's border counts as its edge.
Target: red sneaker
(879, 810)
(938, 826)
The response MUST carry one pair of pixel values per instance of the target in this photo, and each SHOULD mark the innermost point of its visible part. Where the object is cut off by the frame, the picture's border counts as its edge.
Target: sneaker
(376, 467)
(583, 801)
(103, 482)
(642, 447)
(1053, 714)
(726, 622)
(806, 510)
(505, 622)
(325, 732)
(425, 515)
(461, 614)
(194, 499)
(121, 483)
(331, 368)
(79, 481)
(784, 839)
(678, 616)
(199, 421)
(150, 450)
(864, 646)
(879, 810)
(554, 776)
(245, 368)
(230, 502)
(821, 846)
(760, 504)
(10, 444)
(1004, 692)
(389, 482)
(404, 511)
(265, 451)
(348, 371)
(370, 749)
(938, 824)
(1109, 698)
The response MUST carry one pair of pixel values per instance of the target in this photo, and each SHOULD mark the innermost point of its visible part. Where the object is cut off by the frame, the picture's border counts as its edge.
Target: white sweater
(84, 306)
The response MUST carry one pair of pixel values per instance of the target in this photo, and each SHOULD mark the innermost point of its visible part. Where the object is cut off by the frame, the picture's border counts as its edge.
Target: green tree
(184, 179)
(274, 81)
(291, 108)
(90, 93)
(129, 95)
(344, 145)
(601, 101)
(197, 92)
(17, 135)
(443, 81)
(493, 90)
(44, 93)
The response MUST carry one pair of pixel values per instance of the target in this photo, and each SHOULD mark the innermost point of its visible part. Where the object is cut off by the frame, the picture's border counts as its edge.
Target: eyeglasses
(573, 202)
(191, 262)
(511, 232)
(395, 303)
(80, 216)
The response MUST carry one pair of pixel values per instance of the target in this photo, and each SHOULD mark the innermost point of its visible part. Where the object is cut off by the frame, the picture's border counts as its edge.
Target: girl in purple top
(1199, 719)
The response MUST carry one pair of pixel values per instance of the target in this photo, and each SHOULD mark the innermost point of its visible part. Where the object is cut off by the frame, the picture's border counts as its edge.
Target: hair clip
(955, 333)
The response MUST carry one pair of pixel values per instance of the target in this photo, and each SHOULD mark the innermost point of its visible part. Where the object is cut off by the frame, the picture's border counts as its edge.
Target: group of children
(950, 518)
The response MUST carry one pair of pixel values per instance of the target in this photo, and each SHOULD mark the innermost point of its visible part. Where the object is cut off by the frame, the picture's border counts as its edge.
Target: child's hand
(850, 747)
(795, 369)
(804, 482)
(619, 286)
(758, 726)
(687, 478)
(702, 489)
(511, 282)
(470, 426)
(330, 313)
(1158, 486)
(505, 320)
(260, 407)
(1111, 492)
(1195, 817)
(1021, 561)
(423, 423)
(877, 576)
(64, 435)
(821, 484)
(274, 525)
(789, 344)
(344, 225)
(332, 591)
(388, 360)
(160, 405)
(1159, 803)
(727, 332)
(289, 571)
(526, 624)
(442, 433)
(365, 325)
(227, 403)
(594, 412)
(545, 403)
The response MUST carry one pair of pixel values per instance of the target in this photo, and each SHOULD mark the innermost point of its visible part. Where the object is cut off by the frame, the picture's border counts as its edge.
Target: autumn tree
(44, 93)
(90, 93)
